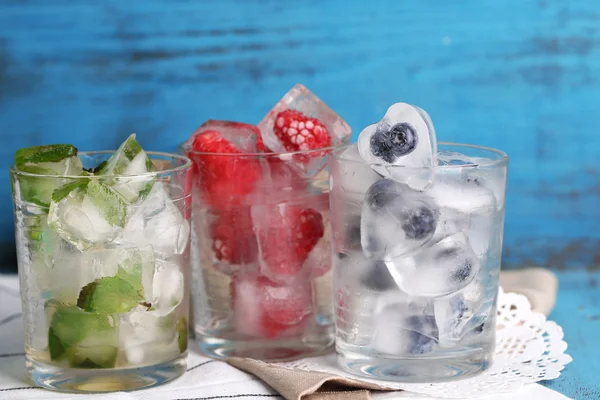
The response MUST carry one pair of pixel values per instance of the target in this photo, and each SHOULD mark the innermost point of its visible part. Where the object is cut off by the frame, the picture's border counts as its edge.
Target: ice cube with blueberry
(87, 212)
(58, 159)
(396, 220)
(401, 334)
(157, 221)
(401, 144)
(437, 270)
(131, 167)
(462, 312)
(300, 121)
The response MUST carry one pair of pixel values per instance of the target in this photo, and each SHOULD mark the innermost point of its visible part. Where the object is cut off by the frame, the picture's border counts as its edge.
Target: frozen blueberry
(463, 272)
(390, 142)
(420, 223)
(378, 278)
(419, 343)
(382, 193)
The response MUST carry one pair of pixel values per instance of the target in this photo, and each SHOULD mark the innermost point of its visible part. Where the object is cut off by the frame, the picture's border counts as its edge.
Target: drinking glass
(104, 283)
(261, 256)
(416, 263)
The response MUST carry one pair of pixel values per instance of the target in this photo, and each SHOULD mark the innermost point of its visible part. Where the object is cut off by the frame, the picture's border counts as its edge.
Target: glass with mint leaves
(103, 253)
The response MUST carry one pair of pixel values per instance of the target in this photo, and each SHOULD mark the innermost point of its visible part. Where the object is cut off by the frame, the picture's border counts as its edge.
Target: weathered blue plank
(520, 76)
(578, 312)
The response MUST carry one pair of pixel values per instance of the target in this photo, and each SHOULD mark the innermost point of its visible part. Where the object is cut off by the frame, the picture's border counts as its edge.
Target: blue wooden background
(519, 75)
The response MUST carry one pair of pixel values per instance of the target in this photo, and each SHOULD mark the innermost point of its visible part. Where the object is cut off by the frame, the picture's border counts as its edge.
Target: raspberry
(223, 177)
(266, 309)
(296, 131)
(286, 236)
(233, 238)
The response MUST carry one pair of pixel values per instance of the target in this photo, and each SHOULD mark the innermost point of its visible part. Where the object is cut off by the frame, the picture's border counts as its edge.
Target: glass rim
(187, 163)
(501, 160)
(185, 148)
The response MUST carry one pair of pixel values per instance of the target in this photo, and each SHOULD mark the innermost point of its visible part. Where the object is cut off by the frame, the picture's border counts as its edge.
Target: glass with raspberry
(261, 254)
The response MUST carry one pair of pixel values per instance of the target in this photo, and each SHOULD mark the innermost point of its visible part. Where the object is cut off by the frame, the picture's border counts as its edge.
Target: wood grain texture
(519, 76)
(577, 310)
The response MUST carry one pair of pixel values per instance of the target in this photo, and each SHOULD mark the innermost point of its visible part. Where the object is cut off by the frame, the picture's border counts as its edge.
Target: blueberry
(420, 343)
(382, 193)
(378, 278)
(419, 223)
(389, 143)
(463, 272)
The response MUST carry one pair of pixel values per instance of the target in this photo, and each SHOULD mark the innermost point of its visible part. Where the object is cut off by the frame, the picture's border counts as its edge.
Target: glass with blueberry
(261, 252)
(417, 239)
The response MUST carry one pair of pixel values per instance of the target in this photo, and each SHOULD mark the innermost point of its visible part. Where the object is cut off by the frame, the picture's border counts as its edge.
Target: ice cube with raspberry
(265, 309)
(224, 170)
(286, 235)
(233, 240)
(301, 122)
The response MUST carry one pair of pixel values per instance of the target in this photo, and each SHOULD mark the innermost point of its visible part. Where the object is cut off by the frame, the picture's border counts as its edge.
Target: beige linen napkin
(538, 284)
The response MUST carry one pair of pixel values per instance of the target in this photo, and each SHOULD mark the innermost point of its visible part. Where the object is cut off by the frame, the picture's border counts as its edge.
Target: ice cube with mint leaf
(51, 160)
(130, 165)
(87, 212)
(83, 339)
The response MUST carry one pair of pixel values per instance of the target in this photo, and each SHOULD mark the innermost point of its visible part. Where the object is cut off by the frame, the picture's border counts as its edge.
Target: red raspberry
(223, 177)
(233, 238)
(298, 132)
(266, 309)
(286, 235)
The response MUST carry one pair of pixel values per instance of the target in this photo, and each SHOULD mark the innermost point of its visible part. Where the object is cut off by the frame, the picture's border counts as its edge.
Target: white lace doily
(528, 349)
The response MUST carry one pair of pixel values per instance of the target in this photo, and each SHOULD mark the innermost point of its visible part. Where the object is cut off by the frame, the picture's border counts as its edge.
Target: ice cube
(492, 178)
(157, 221)
(403, 138)
(438, 270)
(461, 312)
(400, 333)
(245, 137)
(265, 309)
(354, 311)
(286, 235)
(59, 159)
(352, 176)
(395, 220)
(146, 338)
(61, 270)
(461, 192)
(86, 213)
(354, 302)
(130, 160)
(318, 261)
(168, 287)
(301, 121)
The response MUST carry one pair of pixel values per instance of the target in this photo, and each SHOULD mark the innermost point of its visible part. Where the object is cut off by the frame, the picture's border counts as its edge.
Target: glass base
(104, 380)
(265, 350)
(416, 370)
